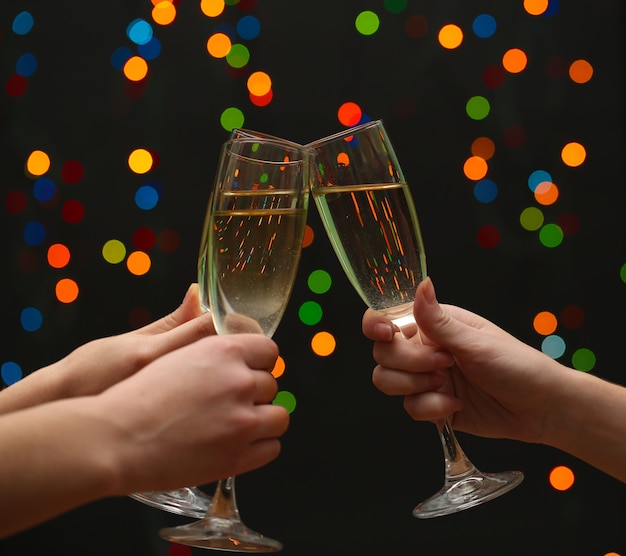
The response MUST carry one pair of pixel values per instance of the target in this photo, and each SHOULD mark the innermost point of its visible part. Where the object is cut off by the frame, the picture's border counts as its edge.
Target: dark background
(353, 464)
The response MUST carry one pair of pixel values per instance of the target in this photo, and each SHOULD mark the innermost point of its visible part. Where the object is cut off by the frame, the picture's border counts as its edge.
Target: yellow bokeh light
(450, 36)
(279, 367)
(66, 290)
(573, 154)
(164, 12)
(535, 7)
(114, 251)
(135, 68)
(140, 161)
(475, 168)
(514, 60)
(212, 8)
(323, 344)
(561, 478)
(38, 163)
(138, 263)
(259, 83)
(219, 45)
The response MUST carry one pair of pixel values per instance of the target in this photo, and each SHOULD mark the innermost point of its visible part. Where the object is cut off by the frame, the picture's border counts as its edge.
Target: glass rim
(344, 133)
(302, 153)
(252, 134)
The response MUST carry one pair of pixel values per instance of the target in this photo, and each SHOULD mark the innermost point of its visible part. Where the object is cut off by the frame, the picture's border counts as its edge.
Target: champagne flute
(369, 215)
(251, 246)
(191, 501)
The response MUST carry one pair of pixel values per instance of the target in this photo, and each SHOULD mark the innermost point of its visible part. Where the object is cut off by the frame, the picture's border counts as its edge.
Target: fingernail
(429, 291)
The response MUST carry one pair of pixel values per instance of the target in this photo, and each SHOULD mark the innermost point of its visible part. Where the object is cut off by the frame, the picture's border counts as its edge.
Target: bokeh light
(140, 161)
(58, 255)
(514, 60)
(477, 107)
(66, 290)
(573, 154)
(545, 323)
(138, 263)
(583, 359)
(114, 251)
(279, 367)
(319, 281)
(367, 22)
(218, 45)
(323, 344)
(38, 163)
(11, 372)
(580, 71)
(135, 68)
(450, 36)
(164, 13)
(561, 478)
(285, 399)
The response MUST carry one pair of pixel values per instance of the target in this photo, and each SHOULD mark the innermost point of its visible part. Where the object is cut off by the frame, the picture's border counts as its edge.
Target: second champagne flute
(369, 215)
(250, 252)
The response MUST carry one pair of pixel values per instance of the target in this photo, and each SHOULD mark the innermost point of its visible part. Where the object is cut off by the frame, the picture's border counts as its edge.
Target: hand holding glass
(370, 218)
(249, 256)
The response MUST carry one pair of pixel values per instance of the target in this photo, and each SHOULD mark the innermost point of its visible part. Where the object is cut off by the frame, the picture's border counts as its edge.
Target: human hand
(497, 386)
(196, 415)
(96, 365)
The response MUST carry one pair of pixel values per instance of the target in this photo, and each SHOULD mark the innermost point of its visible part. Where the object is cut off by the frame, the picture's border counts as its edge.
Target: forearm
(46, 384)
(55, 457)
(589, 422)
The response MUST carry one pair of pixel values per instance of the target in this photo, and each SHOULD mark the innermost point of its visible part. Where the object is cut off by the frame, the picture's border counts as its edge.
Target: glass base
(188, 501)
(467, 492)
(219, 533)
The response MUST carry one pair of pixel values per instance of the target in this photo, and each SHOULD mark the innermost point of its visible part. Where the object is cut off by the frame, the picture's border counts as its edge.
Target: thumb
(434, 323)
(187, 311)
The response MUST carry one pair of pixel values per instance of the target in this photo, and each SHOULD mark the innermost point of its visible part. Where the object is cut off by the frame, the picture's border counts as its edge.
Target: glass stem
(224, 503)
(457, 463)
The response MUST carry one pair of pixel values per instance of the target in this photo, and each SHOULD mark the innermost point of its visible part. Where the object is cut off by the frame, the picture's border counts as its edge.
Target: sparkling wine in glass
(369, 215)
(249, 256)
(191, 501)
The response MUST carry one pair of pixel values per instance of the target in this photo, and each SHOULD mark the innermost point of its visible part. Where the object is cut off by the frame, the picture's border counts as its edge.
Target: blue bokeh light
(31, 319)
(484, 26)
(26, 65)
(23, 23)
(34, 233)
(11, 372)
(248, 27)
(44, 189)
(139, 31)
(485, 190)
(146, 197)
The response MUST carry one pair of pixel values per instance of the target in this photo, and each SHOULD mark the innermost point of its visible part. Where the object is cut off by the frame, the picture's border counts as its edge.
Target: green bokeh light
(238, 56)
(310, 312)
(477, 108)
(622, 273)
(286, 399)
(231, 118)
(551, 235)
(367, 23)
(531, 219)
(319, 281)
(583, 359)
